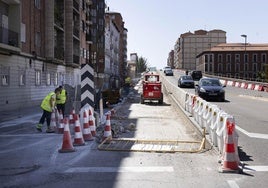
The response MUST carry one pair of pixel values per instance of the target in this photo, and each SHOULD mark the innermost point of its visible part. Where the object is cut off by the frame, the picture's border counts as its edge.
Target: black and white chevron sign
(87, 85)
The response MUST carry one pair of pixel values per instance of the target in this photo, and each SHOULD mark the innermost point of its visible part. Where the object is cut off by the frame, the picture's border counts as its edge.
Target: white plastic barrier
(220, 131)
(212, 130)
(196, 108)
(202, 110)
(207, 117)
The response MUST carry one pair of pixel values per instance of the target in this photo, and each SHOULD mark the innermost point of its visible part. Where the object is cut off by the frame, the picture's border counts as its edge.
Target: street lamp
(244, 36)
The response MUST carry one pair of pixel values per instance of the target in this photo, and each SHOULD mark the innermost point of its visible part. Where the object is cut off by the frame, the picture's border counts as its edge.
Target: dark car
(169, 72)
(196, 75)
(210, 88)
(186, 81)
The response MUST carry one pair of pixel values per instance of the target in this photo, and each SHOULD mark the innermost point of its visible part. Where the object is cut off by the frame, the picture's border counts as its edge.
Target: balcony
(9, 37)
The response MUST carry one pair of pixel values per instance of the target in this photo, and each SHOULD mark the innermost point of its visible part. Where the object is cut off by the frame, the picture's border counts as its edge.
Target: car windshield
(187, 78)
(210, 82)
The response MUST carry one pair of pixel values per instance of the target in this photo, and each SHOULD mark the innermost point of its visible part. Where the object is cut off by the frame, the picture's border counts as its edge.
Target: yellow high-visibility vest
(45, 105)
(61, 98)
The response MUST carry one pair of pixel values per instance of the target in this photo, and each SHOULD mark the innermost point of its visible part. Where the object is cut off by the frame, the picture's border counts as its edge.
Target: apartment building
(122, 50)
(111, 71)
(189, 45)
(236, 60)
(42, 46)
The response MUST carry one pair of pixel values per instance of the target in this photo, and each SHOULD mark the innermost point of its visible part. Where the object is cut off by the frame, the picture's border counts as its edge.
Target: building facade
(189, 45)
(42, 46)
(112, 35)
(235, 60)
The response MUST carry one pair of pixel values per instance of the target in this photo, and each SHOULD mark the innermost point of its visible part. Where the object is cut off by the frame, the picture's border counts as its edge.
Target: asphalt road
(249, 109)
(31, 159)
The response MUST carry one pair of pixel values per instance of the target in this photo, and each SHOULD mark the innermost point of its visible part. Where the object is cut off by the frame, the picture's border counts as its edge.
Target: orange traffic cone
(107, 135)
(86, 130)
(61, 123)
(71, 117)
(78, 137)
(67, 145)
(91, 123)
(230, 156)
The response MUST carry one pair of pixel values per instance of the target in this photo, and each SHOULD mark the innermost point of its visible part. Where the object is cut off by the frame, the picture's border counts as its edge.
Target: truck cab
(151, 88)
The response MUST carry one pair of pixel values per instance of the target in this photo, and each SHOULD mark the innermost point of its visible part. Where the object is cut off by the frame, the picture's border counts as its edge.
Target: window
(37, 4)
(246, 67)
(246, 58)
(5, 80)
(22, 77)
(220, 69)
(263, 58)
(228, 58)
(228, 67)
(4, 73)
(56, 82)
(237, 58)
(254, 67)
(48, 78)
(38, 77)
(237, 67)
(38, 39)
(219, 58)
(255, 58)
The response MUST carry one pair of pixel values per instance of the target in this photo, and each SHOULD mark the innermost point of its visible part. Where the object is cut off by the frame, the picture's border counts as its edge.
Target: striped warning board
(87, 85)
(162, 146)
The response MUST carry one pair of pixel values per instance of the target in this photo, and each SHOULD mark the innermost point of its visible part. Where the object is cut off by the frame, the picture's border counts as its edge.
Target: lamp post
(245, 37)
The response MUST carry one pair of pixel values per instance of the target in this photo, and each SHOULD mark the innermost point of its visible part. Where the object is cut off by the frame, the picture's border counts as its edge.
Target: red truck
(152, 88)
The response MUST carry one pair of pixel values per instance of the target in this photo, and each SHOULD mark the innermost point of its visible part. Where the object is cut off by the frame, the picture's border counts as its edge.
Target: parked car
(169, 72)
(196, 75)
(186, 81)
(210, 88)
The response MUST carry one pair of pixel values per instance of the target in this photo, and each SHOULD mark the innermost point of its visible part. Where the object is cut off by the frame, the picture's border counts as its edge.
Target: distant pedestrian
(61, 100)
(48, 105)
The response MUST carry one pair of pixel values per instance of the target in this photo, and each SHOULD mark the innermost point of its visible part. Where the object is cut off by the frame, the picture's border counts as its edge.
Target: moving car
(196, 75)
(210, 88)
(186, 81)
(167, 68)
(168, 72)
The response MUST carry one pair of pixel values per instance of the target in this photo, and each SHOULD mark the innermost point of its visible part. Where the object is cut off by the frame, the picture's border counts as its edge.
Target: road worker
(61, 100)
(48, 105)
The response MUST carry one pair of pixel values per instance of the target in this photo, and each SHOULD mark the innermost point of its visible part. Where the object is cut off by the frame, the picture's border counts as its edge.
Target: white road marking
(232, 184)
(252, 135)
(255, 168)
(120, 169)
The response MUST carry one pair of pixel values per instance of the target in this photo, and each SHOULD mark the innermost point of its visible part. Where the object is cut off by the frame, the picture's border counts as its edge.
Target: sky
(155, 25)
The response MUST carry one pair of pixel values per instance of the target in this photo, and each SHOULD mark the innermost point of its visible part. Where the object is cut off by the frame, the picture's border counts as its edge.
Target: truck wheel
(161, 100)
(142, 99)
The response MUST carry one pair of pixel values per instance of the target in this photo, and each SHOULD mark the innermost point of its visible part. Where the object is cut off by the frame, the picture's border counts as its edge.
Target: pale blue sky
(155, 25)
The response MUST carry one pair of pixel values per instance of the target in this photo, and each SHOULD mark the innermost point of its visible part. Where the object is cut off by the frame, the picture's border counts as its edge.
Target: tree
(141, 65)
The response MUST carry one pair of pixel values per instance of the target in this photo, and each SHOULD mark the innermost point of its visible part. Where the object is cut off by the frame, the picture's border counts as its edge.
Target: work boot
(39, 127)
(50, 130)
